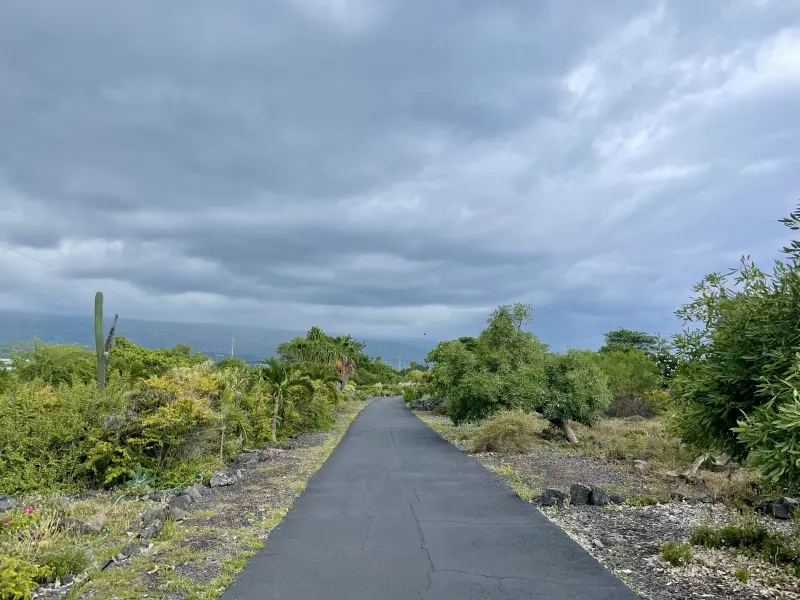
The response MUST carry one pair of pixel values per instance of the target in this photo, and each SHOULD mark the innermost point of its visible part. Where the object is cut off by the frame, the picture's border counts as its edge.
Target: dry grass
(509, 432)
(632, 438)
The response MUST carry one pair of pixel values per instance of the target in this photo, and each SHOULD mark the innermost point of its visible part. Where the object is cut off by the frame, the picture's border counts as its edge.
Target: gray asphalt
(398, 513)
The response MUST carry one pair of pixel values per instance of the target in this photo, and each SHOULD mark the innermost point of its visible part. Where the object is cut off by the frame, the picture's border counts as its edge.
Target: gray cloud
(390, 167)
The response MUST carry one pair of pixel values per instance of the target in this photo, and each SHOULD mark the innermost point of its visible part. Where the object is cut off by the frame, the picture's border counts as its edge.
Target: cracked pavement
(397, 512)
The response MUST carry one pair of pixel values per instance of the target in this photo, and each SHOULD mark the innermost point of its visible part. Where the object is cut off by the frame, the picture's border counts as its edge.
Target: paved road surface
(397, 513)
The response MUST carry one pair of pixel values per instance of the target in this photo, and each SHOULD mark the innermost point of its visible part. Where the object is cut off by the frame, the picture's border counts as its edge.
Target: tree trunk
(221, 443)
(274, 422)
(563, 425)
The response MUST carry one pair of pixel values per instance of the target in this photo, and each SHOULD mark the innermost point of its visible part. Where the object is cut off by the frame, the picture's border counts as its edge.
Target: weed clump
(677, 555)
(752, 538)
(508, 432)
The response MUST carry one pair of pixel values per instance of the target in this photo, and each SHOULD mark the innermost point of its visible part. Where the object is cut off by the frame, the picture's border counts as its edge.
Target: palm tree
(232, 415)
(283, 385)
(346, 367)
(324, 380)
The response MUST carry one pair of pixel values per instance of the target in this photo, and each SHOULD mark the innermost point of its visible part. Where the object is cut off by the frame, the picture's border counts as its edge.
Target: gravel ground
(628, 539)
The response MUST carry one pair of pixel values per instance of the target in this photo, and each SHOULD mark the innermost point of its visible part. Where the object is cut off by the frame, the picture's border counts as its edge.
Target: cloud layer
(392, 167)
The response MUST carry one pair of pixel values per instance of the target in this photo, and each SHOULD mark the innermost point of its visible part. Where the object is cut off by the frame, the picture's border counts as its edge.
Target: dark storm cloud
(390, 166)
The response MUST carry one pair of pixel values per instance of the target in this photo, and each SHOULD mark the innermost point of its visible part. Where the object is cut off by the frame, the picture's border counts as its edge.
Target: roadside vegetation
(710, 419)
(106, 456)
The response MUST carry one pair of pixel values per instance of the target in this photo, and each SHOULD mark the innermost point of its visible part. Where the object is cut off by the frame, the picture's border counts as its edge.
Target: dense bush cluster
(737, 389)
(507, 367)
(169, 412)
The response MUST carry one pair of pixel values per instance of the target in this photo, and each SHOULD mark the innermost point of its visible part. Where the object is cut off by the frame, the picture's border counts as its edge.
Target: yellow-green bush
(508, 432)
(19, 577)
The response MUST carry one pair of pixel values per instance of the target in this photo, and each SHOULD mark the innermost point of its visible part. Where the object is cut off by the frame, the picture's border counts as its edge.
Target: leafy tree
(736, 387)
(55, 364)
(631, 372)
(137, 362)
(622, 340)
(503, 368)
(575, 389)
(654, 347)
(284, 385)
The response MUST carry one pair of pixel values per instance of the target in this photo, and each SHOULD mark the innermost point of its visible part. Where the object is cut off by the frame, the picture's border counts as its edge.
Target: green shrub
(737, 390)
(66, 560)
(750, 537)
(575, 390)
(743, 575)
(56, 364)
(19, 577)
(629, 372)
(508, 432)
(413, 392)
(676, 554)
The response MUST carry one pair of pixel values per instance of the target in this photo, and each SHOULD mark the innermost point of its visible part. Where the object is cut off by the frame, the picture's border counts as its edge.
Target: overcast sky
(392, 167)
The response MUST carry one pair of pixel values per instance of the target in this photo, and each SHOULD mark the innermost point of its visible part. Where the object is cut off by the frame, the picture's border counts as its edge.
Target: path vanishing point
(397, 513)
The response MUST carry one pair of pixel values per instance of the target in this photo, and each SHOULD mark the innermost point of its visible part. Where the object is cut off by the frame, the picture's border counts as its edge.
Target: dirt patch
(557, 469)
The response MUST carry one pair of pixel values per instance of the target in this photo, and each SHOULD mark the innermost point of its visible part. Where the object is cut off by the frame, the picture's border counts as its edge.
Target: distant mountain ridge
(251, 343)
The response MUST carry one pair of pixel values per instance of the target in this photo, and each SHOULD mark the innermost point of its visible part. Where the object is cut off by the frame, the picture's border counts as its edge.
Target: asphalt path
(397, 513)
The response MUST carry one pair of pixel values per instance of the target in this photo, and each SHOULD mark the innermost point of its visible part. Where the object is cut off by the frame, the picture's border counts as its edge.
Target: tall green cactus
(98, 341)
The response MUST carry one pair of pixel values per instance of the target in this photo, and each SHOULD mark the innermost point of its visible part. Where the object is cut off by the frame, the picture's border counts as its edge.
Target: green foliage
(677, 555)
(508, 432)
(284, 386)
(623, 340)
(736, 390)
(55, 364)
(750, 537)
(132, 361)
(629, 372)
(19, 577)
(414, 376)
(236, 364)
(575, 389)
(654, 347)
(413, 392)
(503, 368)
(743, 575)
(44, 434)
(64, 560)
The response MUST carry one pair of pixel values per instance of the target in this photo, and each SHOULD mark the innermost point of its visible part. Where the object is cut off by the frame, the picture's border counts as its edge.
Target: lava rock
(75, 526)
(780, 508)
(617, 498)
(247, 460)
(152, 522)
(7, 503)
(270, 453)
(641, 466)
(194, 492)
(552, 497)
(96, 522)
(180, 503)
(579, 494)
(176, 514)
(68, 579)
(598, 497)
(222, 478)
(127, 552)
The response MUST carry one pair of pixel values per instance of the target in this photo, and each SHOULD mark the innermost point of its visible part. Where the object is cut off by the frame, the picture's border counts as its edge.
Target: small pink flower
(5, 522)
(28, 511)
